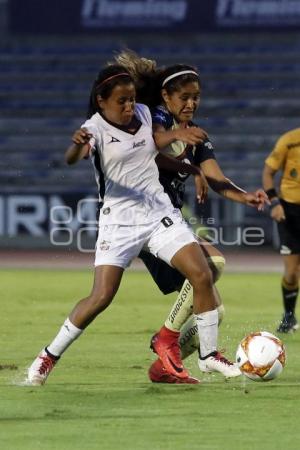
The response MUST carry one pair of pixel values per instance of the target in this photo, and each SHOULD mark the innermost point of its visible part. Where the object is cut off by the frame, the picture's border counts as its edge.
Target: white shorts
(118, 245)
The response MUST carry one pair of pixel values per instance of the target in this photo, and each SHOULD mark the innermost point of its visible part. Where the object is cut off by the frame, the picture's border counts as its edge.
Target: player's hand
(257, 199)
(201, 187)
(191, 136)
(277, 213)
(81, 136)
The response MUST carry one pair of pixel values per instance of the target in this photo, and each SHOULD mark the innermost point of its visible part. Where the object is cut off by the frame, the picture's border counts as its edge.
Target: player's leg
(170, 280)
(290, 290)
(183, 306)
(188, 343)
(289, 231)
(190, 261)
(115, 249)
(182, 309)
(106, 283)
(167, 280)
(189, 338)
(180, 325)
(173, 242)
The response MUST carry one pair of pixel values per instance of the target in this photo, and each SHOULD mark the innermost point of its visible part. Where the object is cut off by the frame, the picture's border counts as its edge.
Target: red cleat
(158, 374)
(165, 345)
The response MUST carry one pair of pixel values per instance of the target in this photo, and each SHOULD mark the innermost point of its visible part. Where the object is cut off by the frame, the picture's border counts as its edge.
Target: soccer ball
(261, 356)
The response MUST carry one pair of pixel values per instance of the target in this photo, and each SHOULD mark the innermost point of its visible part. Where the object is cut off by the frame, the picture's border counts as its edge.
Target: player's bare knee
(100, 300)
(294, 278)
(290, 278)
(201, 279)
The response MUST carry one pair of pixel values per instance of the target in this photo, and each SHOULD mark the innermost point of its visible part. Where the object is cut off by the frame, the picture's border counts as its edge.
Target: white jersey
(126, 172)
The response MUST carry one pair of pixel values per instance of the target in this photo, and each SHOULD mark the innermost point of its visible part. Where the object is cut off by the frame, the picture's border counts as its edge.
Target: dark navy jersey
(174, 183)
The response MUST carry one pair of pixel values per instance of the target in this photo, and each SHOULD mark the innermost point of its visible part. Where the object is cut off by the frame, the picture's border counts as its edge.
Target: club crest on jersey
(167, 222)
(113, 139)
(208, 145)
(104, 245)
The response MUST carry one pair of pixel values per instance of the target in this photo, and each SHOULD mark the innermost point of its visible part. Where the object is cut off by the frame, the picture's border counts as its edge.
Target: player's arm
(268, 179)
(225, 187)
(191, 136)
(169, 163)
(273, 163)
(80, 147)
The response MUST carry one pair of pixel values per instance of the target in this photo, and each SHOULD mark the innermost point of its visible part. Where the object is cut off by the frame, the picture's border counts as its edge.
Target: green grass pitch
(99, 396)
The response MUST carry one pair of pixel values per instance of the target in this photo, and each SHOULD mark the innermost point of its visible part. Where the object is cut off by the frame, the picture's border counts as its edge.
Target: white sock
(66, 335)
(207, 323)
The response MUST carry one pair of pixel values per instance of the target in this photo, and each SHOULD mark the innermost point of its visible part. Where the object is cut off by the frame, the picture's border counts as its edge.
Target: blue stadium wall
(247, 52)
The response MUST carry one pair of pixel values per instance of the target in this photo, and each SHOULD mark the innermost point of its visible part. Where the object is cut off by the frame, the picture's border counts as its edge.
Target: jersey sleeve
(203, 152)
(278, 155)
(142, 112)
(161, 117)
(95, 140)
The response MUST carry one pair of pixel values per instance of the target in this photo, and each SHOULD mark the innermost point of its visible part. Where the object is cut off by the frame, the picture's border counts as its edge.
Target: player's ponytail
(145, 74)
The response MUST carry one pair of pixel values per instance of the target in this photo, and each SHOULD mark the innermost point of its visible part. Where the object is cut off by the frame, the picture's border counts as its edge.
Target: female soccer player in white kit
(173, 95)
(136, 214)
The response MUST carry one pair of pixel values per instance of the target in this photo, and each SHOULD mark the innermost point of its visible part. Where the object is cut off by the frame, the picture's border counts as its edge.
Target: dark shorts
(167, 278)
(289, 230)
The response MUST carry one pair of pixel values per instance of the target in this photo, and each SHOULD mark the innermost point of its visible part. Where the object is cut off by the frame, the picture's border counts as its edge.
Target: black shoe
(288, 324)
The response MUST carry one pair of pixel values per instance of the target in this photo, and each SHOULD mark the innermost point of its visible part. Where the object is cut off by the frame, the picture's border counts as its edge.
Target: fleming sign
(86, 16)
(256, 13)
(127, 13)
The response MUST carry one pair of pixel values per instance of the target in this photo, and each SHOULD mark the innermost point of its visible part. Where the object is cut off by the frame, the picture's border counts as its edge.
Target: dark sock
(289, 296)
(207, 356)
(50, 354)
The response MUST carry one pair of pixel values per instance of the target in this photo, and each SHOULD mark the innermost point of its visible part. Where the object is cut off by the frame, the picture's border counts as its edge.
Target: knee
(291, 275)
(100, 300)
(217, 265)
(290, 280)
(201, 278)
